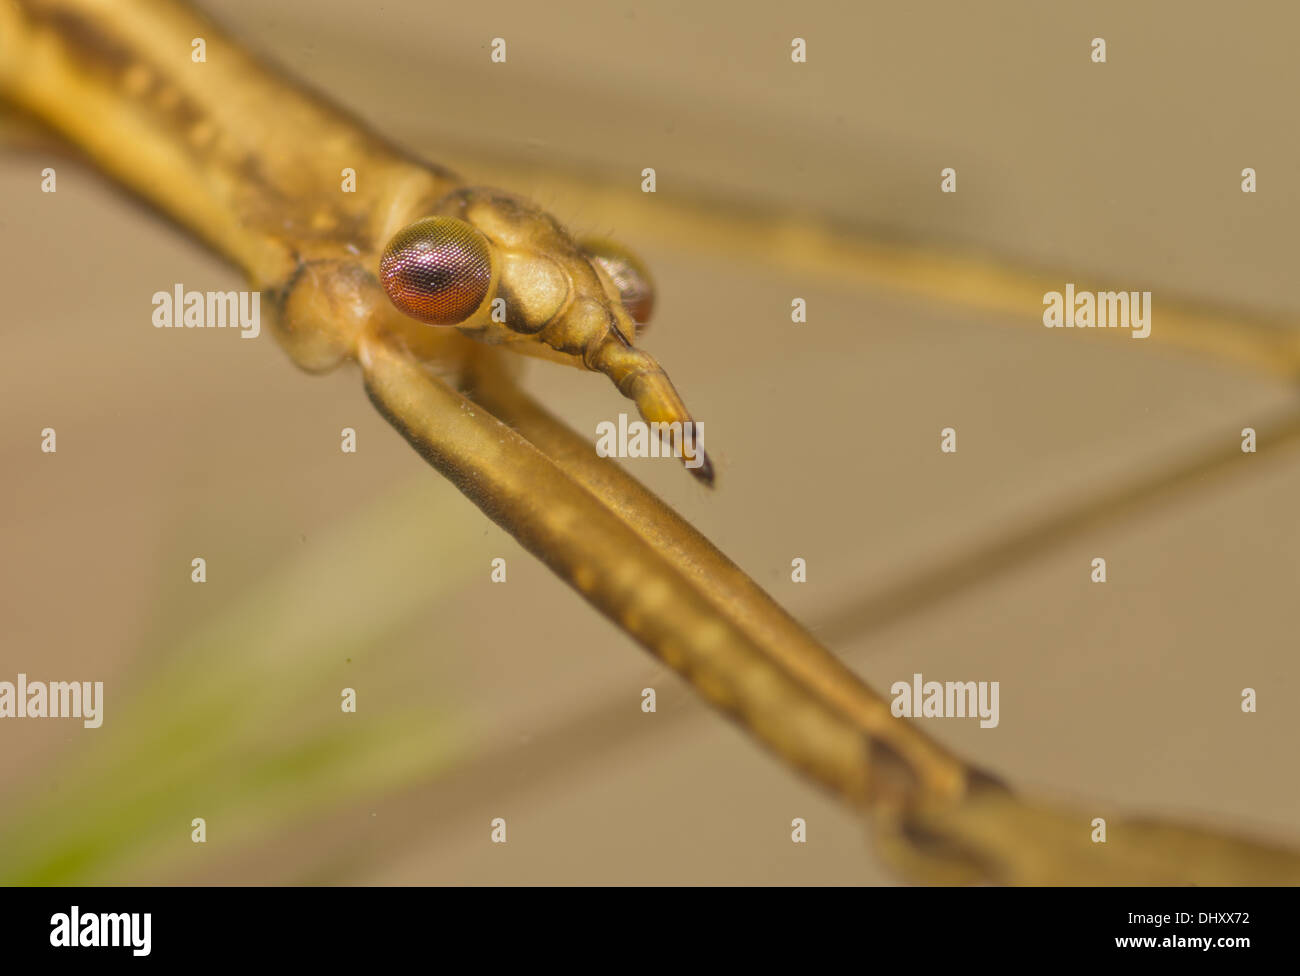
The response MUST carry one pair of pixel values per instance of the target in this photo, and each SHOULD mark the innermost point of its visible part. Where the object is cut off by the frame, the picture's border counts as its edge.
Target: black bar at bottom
(461, 926)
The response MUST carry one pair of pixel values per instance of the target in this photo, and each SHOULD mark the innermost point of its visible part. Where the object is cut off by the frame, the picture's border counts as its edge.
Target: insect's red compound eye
(632, 279)
(437, 270)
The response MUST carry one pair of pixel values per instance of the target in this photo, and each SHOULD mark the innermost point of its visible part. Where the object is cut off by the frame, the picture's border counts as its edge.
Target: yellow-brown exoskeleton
(504, 271)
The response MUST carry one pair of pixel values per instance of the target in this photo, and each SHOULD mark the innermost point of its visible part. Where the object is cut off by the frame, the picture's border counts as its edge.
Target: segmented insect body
(264, 190)
(504, 271)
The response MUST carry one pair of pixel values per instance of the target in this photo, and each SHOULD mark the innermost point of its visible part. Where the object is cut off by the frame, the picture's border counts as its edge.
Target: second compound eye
(437, 270)
(629, 275)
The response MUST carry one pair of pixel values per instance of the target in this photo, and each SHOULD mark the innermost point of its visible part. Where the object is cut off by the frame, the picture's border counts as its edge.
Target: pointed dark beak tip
(704, 472)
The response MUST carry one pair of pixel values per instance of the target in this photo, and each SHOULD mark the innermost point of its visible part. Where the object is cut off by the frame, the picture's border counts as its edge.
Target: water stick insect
(429, 285)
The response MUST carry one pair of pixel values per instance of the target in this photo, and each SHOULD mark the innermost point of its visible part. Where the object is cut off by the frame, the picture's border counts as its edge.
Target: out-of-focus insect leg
(726, 585)
(618, 572)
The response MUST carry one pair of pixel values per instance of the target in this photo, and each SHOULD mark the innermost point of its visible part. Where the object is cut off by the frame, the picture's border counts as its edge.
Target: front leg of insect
(503, 271)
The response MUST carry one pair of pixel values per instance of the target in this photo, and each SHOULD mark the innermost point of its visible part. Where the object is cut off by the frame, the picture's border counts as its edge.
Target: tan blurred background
(481, 700)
